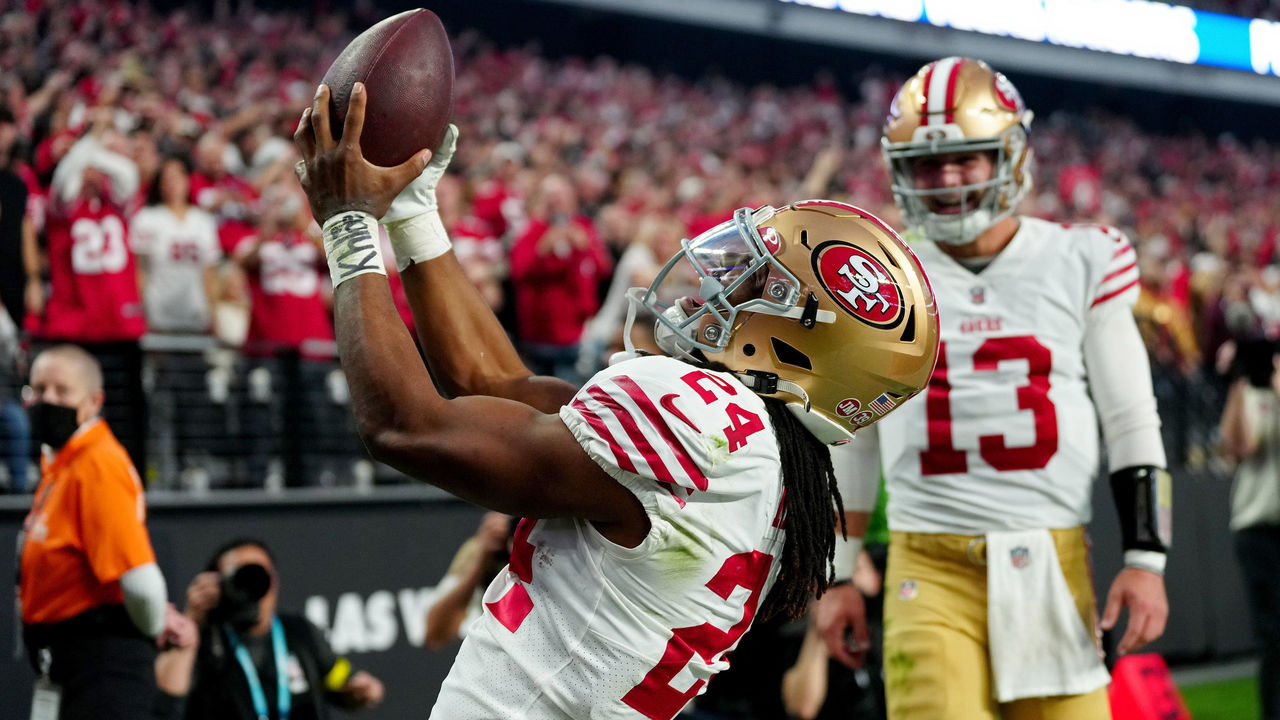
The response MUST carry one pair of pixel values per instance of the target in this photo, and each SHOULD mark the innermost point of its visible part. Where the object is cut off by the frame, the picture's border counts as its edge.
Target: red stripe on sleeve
(651, 412)
(1122, 251)
(628, 423)
(1121, 271)
(602, 430)
(1113, 293)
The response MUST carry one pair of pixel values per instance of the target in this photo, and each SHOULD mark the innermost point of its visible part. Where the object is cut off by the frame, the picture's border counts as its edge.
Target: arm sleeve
(857, 468)
(67, 179)
(86, 153)
(1120, 383)
(145, 597)
(122, 171)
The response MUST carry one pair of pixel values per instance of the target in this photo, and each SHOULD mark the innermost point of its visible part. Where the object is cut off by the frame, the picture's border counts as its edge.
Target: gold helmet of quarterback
(818, 303)
(958, 105)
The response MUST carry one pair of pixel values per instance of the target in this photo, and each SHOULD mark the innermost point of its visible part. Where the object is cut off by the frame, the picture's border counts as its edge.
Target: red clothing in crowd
(233, 224)
(93, 276)
(556, 293)
(286, 293)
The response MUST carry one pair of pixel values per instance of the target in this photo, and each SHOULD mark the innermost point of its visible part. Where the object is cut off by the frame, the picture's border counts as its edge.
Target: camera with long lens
(241, 591)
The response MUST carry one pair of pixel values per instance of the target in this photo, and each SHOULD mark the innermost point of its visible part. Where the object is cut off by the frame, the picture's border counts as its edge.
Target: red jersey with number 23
(578, 627)
(93, 276)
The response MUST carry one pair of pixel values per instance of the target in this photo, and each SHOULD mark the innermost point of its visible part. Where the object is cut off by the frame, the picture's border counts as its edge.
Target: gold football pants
(936, 665)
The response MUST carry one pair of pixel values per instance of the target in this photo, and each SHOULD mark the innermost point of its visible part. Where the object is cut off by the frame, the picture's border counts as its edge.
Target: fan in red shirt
(93, 277)
(289, 344)
(556, 267)
(285, 266)
(229, 198)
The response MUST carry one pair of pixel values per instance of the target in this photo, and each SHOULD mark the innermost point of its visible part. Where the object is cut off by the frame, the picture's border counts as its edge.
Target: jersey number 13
(942, 457)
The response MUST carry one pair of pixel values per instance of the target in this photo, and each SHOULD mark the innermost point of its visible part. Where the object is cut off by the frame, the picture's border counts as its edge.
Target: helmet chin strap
(962, 230)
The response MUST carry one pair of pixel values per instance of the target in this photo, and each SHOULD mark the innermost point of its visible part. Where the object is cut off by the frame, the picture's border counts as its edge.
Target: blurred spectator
(177, 249)
(229, 198)
(1251, 434)
(93, 601)
(15, 430)
(478, 560)
(284, 263)
(255, 662)
(475, 243)
(555, 266)
(289, 342)
(94, 298)
(19, 288)
(657, 238)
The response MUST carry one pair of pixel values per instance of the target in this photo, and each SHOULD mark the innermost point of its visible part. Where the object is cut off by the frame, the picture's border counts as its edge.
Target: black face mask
(52, 424)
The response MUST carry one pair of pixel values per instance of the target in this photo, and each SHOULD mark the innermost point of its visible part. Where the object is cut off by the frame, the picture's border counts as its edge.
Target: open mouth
(946, 205)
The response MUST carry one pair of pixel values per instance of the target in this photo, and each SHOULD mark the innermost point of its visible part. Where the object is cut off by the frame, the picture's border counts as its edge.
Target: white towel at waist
(1039, 645)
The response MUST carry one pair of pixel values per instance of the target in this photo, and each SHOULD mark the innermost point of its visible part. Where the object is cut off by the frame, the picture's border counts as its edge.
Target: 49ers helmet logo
(1007, 94)
(859, 283)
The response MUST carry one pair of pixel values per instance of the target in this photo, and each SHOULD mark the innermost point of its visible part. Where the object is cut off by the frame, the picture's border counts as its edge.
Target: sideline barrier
(362, 566)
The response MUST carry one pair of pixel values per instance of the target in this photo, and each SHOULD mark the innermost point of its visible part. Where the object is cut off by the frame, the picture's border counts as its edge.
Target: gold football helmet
(819, 303)
(958, 105)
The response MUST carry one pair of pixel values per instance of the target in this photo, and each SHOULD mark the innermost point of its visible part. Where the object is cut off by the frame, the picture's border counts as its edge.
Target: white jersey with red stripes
(1006, 436)
(578, 627)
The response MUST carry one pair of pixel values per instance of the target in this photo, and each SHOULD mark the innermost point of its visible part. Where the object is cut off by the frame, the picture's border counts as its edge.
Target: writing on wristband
(352, 246)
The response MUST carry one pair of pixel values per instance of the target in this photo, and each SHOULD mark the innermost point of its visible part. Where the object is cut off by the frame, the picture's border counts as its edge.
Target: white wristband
(418, 239)
(352, 246)
(1146, 560)
(846, 557)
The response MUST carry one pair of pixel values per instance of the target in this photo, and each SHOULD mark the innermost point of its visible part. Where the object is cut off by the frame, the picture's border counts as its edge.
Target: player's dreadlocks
(812, 505)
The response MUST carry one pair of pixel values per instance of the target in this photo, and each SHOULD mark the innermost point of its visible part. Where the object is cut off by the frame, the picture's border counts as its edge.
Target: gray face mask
(51, 424)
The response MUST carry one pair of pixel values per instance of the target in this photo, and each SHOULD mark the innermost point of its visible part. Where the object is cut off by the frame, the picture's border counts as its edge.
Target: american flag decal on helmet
(882, 404)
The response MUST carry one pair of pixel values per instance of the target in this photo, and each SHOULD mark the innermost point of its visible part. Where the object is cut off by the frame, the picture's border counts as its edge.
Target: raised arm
(466, 348)
(494, 452)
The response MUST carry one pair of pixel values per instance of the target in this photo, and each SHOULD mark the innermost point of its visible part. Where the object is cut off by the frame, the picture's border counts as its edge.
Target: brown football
(406, 66)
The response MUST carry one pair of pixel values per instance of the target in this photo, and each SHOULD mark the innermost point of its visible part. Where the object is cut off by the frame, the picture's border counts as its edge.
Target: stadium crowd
(576, 178)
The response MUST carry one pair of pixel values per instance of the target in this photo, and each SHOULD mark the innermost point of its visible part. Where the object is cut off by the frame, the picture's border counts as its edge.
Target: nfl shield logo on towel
(1020, 556)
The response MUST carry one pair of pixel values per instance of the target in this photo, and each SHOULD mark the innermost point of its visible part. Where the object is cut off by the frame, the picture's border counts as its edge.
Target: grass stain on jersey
(717, 449)
(684, 554)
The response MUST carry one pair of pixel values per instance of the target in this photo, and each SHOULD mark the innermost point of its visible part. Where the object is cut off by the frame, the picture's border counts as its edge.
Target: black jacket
(220, 691)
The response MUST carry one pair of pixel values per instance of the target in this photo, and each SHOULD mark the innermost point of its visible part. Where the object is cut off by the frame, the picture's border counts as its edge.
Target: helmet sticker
(772, 242)
(847, 407)
(864, 418)
(859, 283)
(1007, 94)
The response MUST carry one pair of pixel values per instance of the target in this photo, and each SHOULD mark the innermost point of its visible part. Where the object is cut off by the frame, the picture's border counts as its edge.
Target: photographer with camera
(255, 663)
(1251, 434)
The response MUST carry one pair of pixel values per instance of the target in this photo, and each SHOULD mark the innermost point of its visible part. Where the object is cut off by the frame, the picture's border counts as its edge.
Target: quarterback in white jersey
(671, 500)
(989, 604)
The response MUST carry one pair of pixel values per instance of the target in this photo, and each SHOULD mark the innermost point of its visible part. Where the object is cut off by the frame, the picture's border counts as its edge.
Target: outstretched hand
(1143, 593)
(334, 173)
